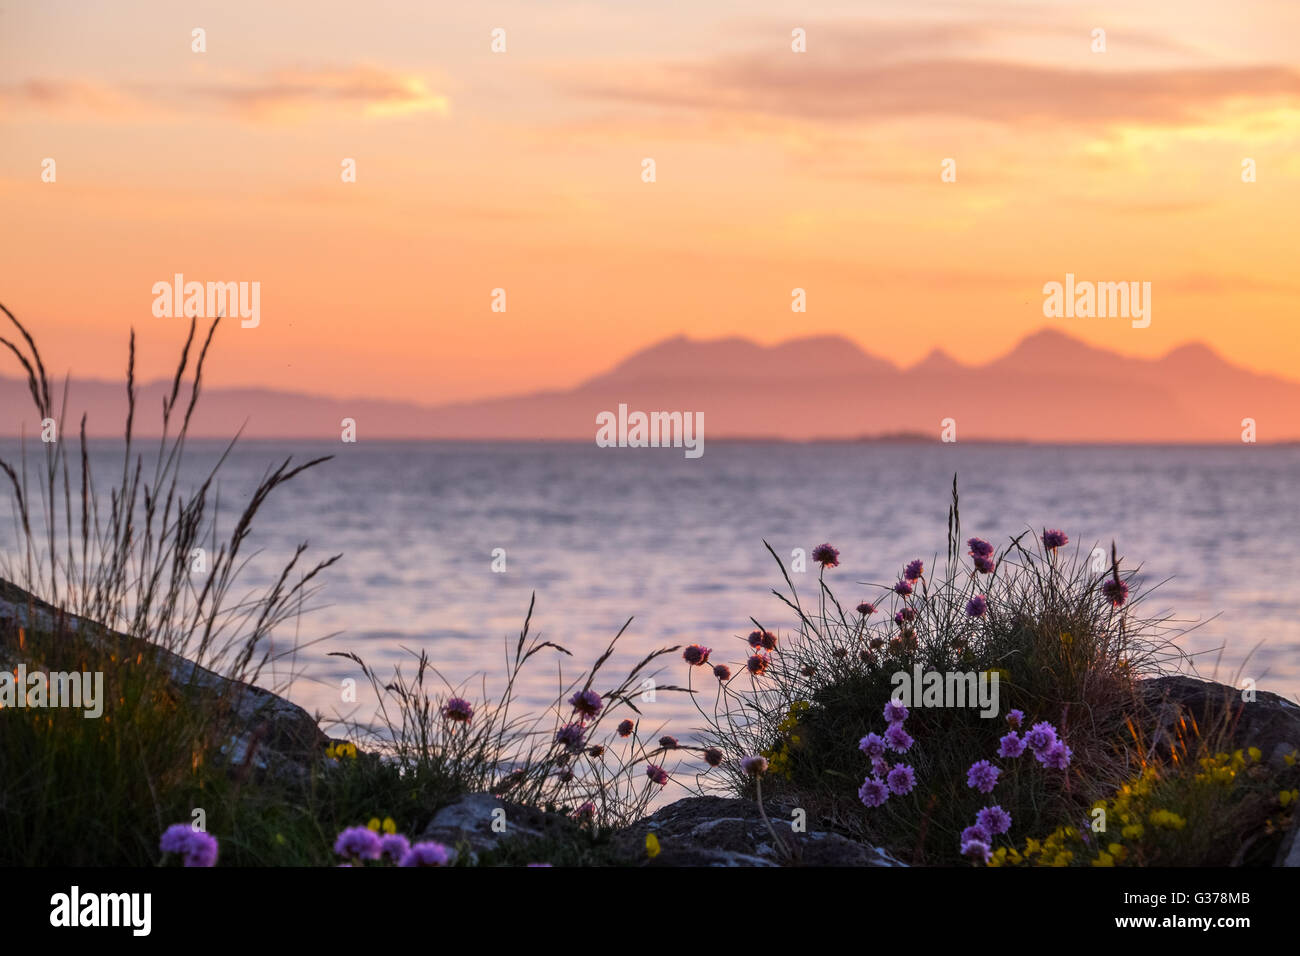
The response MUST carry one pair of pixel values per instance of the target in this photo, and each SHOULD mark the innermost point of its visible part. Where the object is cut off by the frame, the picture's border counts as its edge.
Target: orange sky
(522, 170)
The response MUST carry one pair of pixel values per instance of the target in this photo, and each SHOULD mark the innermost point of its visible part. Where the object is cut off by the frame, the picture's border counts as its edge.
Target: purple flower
(866, 607)
(1115, 591)
(976, 850)
(826, 556)
(903, 588)
(427, 853)
(977, 832)
(753, 765)
(764, 639)
(571, 736)
(873, 793)
(587, 703)
(713, 757)
(658, 774)
(696, 654)
(358, 843)
(898, 739)
(983, 565)
(1041, 736)
(980, 548)
(994, 819)
(901, 780)
(913, 571)
(873, 745)
(1054, 539)
(625, 728)
(976, 606)
(1056, 756)
(1012, 745)
(879, 767)
(904, 615)
(668, 742)
(983, 776)
(394, 846)
(895, 711)
(457, 709)
(198, 847)
(1015, 718)
(721, 672)
(757, 664)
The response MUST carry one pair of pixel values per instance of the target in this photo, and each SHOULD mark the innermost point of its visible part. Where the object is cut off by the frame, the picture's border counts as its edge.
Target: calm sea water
(602, 535)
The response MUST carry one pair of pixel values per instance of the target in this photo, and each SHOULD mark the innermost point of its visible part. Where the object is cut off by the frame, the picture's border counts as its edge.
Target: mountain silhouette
(1049, 388)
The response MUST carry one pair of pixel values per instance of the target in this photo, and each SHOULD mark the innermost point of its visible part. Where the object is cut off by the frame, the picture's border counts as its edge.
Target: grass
(1064, 653)
(77, 791)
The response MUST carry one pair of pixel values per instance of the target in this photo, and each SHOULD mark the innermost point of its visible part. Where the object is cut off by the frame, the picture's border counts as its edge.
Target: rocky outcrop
(723, 831)
(268, 733)
(1268, 721)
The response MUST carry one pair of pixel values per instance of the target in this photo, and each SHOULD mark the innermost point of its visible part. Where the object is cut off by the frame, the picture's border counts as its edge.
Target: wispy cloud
(852, 73)
(289, 95)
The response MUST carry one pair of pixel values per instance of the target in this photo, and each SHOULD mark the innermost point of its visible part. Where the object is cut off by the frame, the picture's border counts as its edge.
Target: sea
(444, 545)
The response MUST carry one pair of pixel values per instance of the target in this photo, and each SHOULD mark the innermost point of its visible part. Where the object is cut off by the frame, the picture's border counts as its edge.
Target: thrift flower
(980, 548)
(458, 710)
(427, 853)
(873, 793)
(895, 711)
(587, 703)
(976, 606)
(696, 655)
(1012, 745)
(826, 556)
(394, 847)
(913, 571)
(359, 843)
(1116, 592)
(722, 672)
(901, 780)
(983, 776)
(1055, 539)
(994, 819)
(658, 774)
(866, 607)
(873, 745)
(1015, 718)
(1041, 736)
(898, 739)
(625, 728)
(753, 765)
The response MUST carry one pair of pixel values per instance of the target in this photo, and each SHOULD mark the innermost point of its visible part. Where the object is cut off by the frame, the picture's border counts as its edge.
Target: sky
(522, 170)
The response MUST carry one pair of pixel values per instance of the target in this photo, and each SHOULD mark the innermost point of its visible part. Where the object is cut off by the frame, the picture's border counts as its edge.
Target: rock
(721, 831)
(1269, 722)
(467, 824)
(271, 734)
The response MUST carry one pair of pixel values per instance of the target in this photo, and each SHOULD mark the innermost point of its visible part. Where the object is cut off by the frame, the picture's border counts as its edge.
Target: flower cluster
(886, 780)
(1048, 749)
(361, 845)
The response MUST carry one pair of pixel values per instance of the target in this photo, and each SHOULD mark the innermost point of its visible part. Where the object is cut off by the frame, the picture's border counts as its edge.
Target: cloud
(845, 83)
(280, 96)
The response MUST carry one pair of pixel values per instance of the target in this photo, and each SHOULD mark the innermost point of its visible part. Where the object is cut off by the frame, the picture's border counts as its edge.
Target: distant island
(1050, 388)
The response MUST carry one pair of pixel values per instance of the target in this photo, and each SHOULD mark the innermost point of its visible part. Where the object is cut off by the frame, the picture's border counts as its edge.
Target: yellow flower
(1167, 819)
(279, 838)
(1132, 832)
(1288, 797)
(651, 845)
(1117, 851)
(1255, 753)
(390, 825)
(373, 825)
(1104, 859)
(1290, 759)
